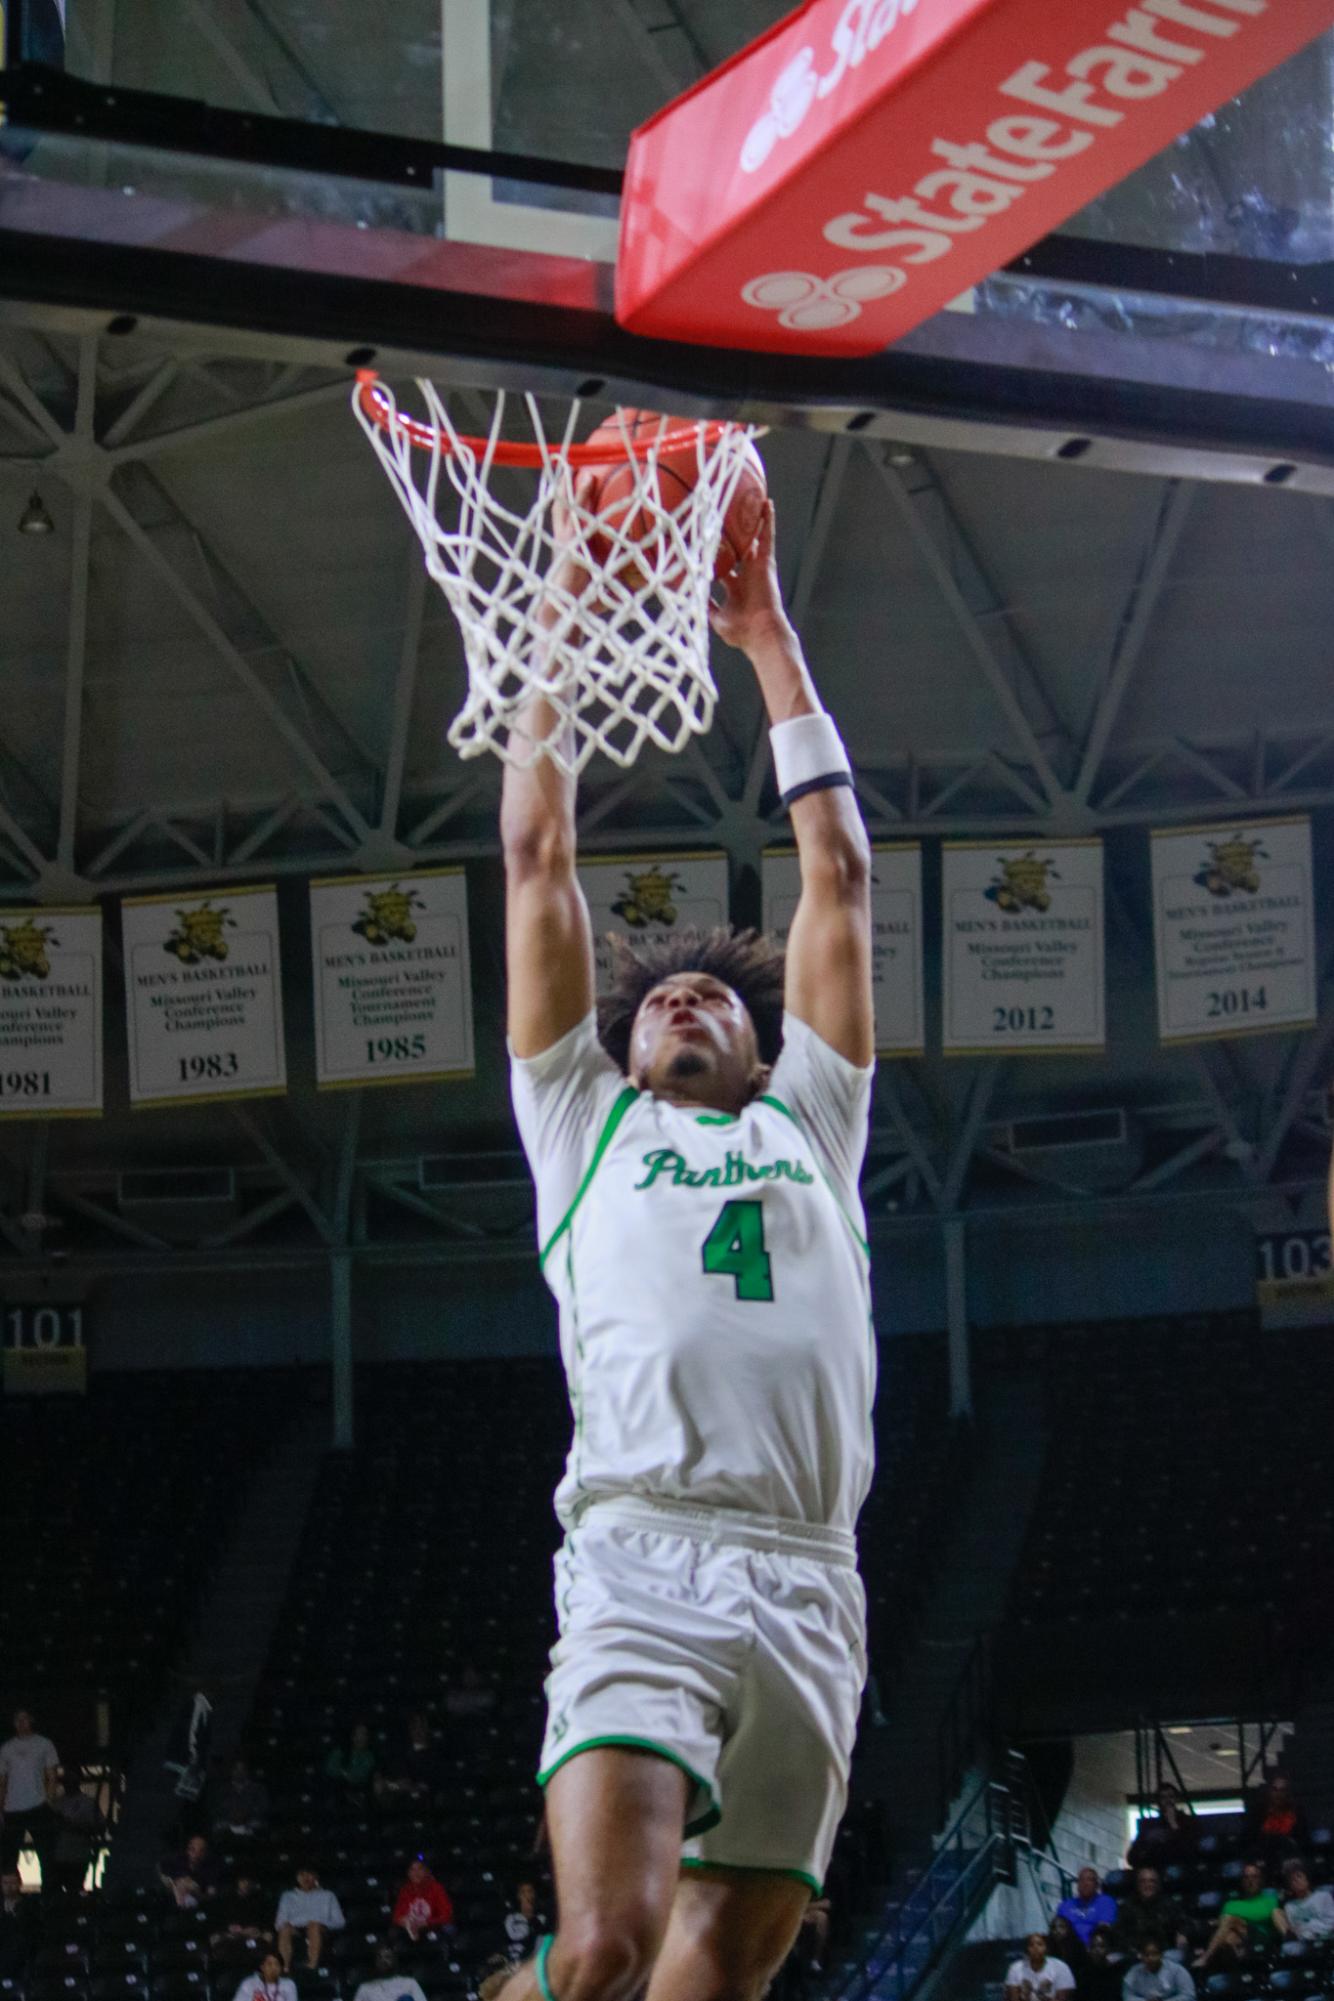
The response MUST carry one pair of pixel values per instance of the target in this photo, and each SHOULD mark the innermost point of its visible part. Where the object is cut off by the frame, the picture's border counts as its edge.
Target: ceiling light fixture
(34, 519)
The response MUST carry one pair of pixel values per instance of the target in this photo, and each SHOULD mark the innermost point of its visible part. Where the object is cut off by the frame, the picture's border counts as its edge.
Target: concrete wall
(1091, 1826)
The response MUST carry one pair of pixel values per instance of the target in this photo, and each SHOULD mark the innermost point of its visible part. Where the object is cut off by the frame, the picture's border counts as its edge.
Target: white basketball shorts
(732, 1646)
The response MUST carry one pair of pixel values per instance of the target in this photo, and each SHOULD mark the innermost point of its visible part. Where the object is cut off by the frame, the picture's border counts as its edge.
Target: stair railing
(966, 1732)
(970, 1858)
(999, 1828)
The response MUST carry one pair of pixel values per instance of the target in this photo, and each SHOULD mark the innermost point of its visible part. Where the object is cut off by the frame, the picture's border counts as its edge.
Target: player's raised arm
(828, 982)
(548, 939)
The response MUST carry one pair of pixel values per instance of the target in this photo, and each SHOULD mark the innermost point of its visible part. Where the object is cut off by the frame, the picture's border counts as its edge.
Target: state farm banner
(859, 166)
(896, 936)
(50, 1013)
(646, 897)
(393, 984)
(1234, 928)
(203, 996)
(1022, 948)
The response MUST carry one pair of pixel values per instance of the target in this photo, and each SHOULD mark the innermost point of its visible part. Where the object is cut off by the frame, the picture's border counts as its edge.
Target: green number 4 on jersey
(734, 1248)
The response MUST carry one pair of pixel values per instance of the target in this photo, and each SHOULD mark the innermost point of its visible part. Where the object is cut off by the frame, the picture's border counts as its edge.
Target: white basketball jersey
(712, 1280)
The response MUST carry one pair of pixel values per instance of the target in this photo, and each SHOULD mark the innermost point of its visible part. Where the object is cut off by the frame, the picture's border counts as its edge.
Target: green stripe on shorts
(693, 1827)
(751, 1869)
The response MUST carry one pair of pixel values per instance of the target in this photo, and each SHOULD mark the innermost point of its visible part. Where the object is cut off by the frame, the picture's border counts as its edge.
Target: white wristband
(808, 756)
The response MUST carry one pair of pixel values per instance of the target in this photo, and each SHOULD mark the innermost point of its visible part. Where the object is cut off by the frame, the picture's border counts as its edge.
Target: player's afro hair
(746, 961)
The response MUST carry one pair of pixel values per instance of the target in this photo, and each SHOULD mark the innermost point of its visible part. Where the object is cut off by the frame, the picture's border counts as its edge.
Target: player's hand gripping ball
(622, 495)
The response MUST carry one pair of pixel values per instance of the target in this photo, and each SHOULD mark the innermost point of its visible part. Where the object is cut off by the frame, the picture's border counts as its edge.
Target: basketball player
(696, 1147)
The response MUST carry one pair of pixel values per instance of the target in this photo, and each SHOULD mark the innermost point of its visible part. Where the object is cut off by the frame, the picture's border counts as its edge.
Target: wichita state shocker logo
(1022, 883)
(23, 953)
(647, 898)
(1231, 866)
(388, 915)
(198, 934)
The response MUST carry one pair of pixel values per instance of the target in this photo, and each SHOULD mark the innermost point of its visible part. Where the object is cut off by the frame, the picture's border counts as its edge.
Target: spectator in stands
(1146, 1913)
(242, 1805)
(191, 1873)
(1257, 1906)
(422, 1904)
(386, 1983)
(352, 1766)
(28, 1766)
(79, 1826)
(1255, 1909)
(19, 1926)
(1226, 1950)
(1307, 1914)
(1168, 1836)
(310, 1910)
(470, 1695)
(1089, 1907)
(417, 1770)
(267, 1982)
(1036, 1977)
(1099, 1978)
(1155, 1978)
(493, 1979)
(242, 1915)
(1064, 1942)
(524, 1923)
(1276, 1827)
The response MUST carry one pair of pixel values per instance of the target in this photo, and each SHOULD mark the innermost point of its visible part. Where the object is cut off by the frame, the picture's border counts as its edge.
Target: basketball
(610, 491)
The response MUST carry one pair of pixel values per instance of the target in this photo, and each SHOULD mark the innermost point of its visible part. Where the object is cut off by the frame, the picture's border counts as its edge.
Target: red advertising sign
(862, 164)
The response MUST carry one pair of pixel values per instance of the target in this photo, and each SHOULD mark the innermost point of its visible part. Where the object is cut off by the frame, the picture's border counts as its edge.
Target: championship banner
(393, 983)
(1234, 929)
(857, 167)
(1294, 1278)
(1022, 947)
(51, 1013)
(647, 897)
(203, 996)
(896, 929)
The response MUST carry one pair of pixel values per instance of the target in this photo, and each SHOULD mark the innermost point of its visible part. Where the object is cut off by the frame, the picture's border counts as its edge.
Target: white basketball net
(616, 639)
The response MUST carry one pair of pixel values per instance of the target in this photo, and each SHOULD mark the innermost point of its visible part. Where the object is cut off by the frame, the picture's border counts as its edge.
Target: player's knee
(604, 1958)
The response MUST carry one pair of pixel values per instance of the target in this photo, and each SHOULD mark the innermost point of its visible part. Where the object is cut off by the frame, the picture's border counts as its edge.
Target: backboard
(437, 182)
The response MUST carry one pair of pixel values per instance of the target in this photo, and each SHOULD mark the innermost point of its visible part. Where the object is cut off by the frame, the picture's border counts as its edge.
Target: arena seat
(126, 1495)
(181, 1986)
(1185, 1474)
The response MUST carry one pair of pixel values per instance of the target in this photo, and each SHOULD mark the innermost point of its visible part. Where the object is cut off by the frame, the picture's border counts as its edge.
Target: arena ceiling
(226, 664)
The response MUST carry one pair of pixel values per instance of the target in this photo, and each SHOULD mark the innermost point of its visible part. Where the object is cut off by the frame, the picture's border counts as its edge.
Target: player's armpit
(828, 979)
